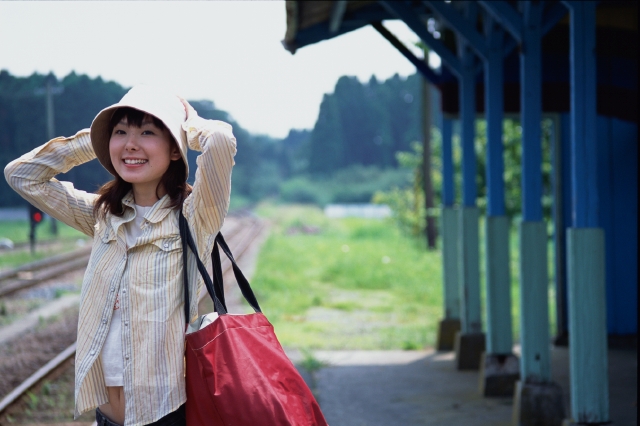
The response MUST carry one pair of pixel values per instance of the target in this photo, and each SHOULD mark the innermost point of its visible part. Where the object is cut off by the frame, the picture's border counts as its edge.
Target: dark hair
(174, 179)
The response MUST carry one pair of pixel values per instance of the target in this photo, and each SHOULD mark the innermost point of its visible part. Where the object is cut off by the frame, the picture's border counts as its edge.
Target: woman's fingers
(187, 106)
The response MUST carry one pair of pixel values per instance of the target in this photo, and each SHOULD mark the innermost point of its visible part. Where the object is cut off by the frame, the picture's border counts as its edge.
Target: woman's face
(141, 155)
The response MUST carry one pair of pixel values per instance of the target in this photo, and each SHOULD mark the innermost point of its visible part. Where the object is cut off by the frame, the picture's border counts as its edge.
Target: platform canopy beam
(405, 13)
(460, 25)
(502, 12)
(421, 65)
(339, 7)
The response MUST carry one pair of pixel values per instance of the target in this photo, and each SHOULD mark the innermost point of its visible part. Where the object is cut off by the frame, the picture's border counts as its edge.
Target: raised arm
(32, 176)
(207, 206)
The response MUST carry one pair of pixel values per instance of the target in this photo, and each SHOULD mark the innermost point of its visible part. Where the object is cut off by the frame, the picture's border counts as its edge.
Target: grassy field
(354, 283)
(346, 283)
(333, 283)
(18, 232)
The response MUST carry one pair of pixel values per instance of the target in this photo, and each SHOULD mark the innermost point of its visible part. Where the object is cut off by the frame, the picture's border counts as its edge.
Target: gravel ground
(21, 357)
(51, 404)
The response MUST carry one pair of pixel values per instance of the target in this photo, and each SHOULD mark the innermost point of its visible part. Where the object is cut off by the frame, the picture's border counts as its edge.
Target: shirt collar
(127, 200)
(158, 212)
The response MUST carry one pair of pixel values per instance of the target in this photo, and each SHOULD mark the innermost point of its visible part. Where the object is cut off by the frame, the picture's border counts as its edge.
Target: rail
(34, 273)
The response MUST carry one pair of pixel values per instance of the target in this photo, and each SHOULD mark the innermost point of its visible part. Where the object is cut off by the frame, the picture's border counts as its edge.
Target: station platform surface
(416, 388)
(368, 388)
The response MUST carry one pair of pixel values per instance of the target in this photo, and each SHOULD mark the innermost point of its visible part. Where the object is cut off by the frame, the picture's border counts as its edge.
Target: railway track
(25, 245)
(34, 273)
(239, 238)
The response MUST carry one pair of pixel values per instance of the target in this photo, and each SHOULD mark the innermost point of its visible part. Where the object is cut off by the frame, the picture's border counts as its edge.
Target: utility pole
(49, 90)
(430, 228)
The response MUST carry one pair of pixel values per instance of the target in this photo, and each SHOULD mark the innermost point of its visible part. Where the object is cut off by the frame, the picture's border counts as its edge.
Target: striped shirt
(148, 275)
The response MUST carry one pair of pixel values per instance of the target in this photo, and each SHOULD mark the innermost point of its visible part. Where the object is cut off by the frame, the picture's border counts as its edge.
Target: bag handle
(242, 281)
(215, 288)
(187, 241)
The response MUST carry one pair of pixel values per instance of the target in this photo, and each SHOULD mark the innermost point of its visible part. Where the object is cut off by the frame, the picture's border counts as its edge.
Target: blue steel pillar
(450, 324)
(499, 367)
(469, 343)
(535, 366)
(533, 264)
(585, 239)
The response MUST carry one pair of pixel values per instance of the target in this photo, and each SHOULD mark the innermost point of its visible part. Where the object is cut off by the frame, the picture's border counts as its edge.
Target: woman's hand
(190, 112)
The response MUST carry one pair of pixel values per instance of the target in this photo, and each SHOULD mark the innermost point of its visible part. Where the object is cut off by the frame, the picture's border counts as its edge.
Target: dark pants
(177, 418)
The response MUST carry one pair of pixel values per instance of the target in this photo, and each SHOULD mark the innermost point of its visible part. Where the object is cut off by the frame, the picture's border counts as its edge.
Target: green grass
(359, 283)
(238, 202)
(346, 283)
(18, 231)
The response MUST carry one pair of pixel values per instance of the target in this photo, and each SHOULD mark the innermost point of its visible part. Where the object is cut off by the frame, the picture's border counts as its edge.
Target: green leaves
(365, 123)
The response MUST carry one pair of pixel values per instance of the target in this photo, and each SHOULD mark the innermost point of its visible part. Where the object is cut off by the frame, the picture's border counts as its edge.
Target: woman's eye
(119, 132)
(148, 132)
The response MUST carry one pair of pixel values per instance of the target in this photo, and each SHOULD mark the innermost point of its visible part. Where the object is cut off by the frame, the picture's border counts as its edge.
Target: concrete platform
(366, 388)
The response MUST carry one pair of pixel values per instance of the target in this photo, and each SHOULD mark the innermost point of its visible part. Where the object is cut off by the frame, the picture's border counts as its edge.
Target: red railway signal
(35, 218)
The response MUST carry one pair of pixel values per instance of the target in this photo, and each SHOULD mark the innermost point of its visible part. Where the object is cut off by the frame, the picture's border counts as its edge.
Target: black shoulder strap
(187, 241)
(215, 288)
(242, 281)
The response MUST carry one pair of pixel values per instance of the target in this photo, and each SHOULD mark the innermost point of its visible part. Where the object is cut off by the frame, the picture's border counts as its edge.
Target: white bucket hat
(165, 106)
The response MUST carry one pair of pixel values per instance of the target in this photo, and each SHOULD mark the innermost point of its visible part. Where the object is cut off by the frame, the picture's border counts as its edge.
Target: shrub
(354, 184)
(303, 190)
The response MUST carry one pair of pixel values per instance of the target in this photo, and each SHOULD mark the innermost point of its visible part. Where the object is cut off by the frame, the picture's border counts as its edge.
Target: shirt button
(124, 291)
(104, 321)
(112, 288)
(126, 357)
(126, 324)
(166, 245)
(92, 353)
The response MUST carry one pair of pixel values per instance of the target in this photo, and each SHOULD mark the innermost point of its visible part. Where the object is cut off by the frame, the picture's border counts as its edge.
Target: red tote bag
(237, 373)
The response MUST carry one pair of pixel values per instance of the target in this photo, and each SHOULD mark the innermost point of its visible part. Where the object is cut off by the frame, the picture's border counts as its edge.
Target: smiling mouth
(131, 161)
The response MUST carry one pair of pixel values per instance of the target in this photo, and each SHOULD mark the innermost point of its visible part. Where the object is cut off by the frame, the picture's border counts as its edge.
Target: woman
(130, 348)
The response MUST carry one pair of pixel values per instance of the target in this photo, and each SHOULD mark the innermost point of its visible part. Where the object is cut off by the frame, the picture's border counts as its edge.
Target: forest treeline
(365, 124)
(355, 149)
(359, 128)
(23, 126)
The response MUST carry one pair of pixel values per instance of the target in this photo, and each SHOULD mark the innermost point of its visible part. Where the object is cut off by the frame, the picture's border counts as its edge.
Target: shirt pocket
(162, 260)
(157, 271)
(102, 259)
(168, 244)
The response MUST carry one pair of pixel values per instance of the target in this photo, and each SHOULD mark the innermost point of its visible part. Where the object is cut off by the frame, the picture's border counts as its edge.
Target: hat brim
(100, 137)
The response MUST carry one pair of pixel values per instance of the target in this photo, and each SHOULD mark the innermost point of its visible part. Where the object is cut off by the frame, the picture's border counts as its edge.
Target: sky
(229, 52)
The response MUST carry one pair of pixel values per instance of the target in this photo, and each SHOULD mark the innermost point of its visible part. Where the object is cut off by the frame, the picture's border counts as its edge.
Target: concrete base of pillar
(469, 348)
(498, 374)
(538, 404)
(447, 330)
